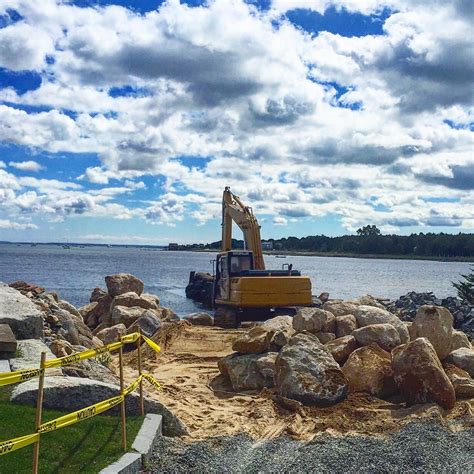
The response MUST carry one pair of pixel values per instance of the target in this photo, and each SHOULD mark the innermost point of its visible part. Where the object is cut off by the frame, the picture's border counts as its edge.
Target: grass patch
(88, 446)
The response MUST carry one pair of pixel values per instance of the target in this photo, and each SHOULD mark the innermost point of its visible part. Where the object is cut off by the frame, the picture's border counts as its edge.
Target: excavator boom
(234, 210)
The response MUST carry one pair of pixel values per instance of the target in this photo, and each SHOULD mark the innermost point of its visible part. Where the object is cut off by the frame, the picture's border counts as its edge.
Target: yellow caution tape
(80, 415)
(73, 358)
(132, 386)
(152, 344)
(130, 337)
(8, 378)
(152, 380)
(7, 447)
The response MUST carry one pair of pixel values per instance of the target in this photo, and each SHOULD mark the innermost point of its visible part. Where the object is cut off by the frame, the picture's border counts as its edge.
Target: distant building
(267, 245)
(172, 246)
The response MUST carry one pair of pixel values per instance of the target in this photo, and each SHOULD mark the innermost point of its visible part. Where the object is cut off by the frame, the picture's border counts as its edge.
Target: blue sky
(122, 122)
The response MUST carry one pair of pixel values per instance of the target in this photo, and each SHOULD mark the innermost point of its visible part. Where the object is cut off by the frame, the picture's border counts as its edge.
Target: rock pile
(322, 354)
(124, 308)
(200, 288)
(407, 306)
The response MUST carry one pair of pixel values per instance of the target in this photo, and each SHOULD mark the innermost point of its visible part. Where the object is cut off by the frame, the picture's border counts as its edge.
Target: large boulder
(132, 299)
(127, 316)
(112, 334)
(458, 340)
(24, 318)
(281, 328)
(306, 371)
(369, 369)
(368, 300)
(463, 384)
(123, 283)
(63, 304)
(367, 315)
(340, 308)
(463, 358)
(419, 375)
(97, 312)
(148, 323)
(345, 325)
(73, 328)
(436, 324)
(314, 320)
(200, 319)
(342, 347)
(28, 356)
(73, 393)
(385, 335)
(256, 340)
(249, 371)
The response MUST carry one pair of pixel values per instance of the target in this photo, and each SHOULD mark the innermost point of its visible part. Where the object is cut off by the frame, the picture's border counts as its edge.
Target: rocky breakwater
(45, 322)
(323, 354)
(407, 306)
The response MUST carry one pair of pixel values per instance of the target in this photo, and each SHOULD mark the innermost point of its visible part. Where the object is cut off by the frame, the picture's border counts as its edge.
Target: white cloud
(300, 125)
(32, 166)
(7, 224)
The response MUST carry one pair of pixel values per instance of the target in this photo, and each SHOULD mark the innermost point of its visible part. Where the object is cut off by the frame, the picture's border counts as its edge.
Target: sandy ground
(193, 389)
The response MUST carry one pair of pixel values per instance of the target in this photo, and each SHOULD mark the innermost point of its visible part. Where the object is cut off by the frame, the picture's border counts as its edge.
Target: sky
(123, 121)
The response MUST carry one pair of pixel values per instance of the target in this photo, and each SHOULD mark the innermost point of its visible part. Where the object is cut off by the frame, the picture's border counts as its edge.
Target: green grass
(88, 446)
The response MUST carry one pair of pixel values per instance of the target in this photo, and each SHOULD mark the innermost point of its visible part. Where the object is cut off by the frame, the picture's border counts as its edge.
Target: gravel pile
(418, 447)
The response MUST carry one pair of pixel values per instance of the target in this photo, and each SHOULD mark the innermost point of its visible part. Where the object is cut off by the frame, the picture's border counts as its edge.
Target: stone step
(8, 341)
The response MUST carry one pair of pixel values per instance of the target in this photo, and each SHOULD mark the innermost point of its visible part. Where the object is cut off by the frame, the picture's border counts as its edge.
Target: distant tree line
(370, 241)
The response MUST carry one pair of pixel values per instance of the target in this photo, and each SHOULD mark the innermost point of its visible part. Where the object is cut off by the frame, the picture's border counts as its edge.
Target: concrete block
(4, 366)
(129, 463)
(148, 435)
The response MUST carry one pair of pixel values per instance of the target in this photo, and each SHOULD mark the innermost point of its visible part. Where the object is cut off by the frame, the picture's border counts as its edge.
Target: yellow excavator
(243, 289)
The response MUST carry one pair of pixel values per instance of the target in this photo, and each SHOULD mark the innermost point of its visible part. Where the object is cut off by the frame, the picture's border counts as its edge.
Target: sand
(193, 389)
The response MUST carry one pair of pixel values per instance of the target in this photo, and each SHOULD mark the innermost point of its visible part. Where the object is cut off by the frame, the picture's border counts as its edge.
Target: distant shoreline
(293, 253)
(266, 252)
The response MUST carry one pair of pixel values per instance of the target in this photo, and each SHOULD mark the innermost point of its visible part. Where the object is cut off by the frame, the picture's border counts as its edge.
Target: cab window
(240, 263)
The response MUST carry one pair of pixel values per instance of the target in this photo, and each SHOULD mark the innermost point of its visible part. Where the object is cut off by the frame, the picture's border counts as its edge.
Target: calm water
(74, 272)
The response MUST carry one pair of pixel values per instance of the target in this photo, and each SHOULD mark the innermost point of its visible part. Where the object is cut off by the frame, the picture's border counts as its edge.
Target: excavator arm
(234, 210)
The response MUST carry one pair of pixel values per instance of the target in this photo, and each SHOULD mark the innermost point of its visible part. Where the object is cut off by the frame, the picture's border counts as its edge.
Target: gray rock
(24, 318)
(306, 371)
(367, 315)
(249, 371)
(112, 334)
(340, 308)
(148, 323)
(345, 325)
(73, 393)
(63, 304)
(30, 356)
(132, 299)
(123, 283)
(200, 319)
(282, 329)
(463, 358)
(127, 316)
(314, 320)
(385, 335)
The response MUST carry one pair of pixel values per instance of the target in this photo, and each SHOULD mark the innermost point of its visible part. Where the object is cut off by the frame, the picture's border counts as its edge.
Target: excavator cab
(228, 265)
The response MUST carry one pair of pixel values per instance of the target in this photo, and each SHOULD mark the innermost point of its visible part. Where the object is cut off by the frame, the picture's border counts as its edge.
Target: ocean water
(74, 272)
